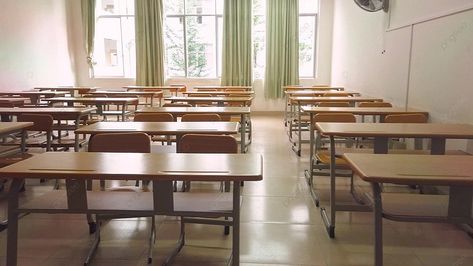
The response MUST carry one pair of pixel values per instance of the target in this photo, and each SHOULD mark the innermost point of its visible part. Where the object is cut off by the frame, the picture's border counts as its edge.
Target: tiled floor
(280, 225)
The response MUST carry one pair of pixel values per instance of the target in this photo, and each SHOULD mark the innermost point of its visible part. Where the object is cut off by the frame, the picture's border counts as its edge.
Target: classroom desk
(243, 112)
(221, 93)
(161, 128)
(300, 100)
(12, 102)
(7, 128)
(325, 88)
(381, 132)
(162, 169)
(221, 87)
(72, 90)
(456, 172)
(311, 93)
(34, 96)
(246, 101)
(173, 89)
(99, 102)
(145, 94)
(76, 114)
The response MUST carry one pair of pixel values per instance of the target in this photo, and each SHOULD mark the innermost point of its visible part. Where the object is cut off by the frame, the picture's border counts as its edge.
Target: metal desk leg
(438, 146)
(300, 128)
(243, 133)
(236, 225)
(12, 234)
(380, 145)
(124, 108)
(378, 225)
(309, 173)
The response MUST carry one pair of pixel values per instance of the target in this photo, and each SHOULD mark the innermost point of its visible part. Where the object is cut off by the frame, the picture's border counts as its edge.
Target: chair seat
(9, 160)
(324, 157)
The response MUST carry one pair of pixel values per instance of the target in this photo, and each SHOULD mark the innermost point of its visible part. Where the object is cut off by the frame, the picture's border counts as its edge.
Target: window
(308, 10)
(193, 37)
(114, 54)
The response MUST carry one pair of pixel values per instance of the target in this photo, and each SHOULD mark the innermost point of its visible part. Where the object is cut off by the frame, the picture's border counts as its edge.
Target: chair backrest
(336, 94)
(235, 89)
(94, 95)
(338, 118)
(120, 142)
(334, 104)
(204, 89)
(177, 105)
(375, 104)
(199, 95)
(200, 117)
(153, 117)
(206, 143)
(406, 118)
(42, 122)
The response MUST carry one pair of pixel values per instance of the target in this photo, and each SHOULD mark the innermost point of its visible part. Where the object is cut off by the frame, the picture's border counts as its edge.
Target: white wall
(375, 62)
(259, 104)
(34, 48)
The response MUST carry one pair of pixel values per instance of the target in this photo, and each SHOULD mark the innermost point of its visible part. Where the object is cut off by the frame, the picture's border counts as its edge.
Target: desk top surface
(407, 130)
(92, 99)
(362, 110)
(131, 93)
(211, 99)
(175, 87)
(65, 88)
(171, 166)
(317, 92)
(313, 88)
(222, 87)
(56, 93)
(8, 127)
(195, 110)
(12, 99)
(161, 127)
(223, 93)
(47, 110)
(316, 99)
(413, 169)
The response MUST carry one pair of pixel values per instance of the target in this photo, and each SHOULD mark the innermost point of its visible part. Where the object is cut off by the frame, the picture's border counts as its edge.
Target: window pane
(306, 45)
(219, 45)
(201, 49)
(116, 7)
(219, 7)
(308, 6)
(194, 7)
(259, 7)
(174, 40)
(174, 7)
(129, 49)
(108, 55)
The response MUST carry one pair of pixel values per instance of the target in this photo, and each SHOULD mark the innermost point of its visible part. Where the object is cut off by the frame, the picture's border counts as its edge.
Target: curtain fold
(149, 42)
(236, 47)
(282, 46)
(88, 24)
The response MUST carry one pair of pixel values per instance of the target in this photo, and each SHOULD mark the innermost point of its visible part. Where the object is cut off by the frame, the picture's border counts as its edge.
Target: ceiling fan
(373, 5)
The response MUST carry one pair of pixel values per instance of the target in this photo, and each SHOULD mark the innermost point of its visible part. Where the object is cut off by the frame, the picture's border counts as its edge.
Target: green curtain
(149, 42)
(282, 46)
(88, 22)
(236, 48)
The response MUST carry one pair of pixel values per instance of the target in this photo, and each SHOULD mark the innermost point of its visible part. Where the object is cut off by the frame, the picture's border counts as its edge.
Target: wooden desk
(99, 102)
(162, 169)
(221, 87)
(70, 89)
(221, 93)
(76, 114)
(12, 102)
(145, 94)
(173, 89)
(445, 170)
(34, 96)
(161, 128)
(219, 100)
(381, 132)
(300, 100)
(243, 112)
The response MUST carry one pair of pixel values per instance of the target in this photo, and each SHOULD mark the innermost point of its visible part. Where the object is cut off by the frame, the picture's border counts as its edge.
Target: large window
(114, 54)
(193, 37)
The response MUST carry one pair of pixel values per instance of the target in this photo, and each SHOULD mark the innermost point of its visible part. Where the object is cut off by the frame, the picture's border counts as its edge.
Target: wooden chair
(207, 143)
(156, 117)
(335, 94)
(375, 104)
(201, 103)
(177, 105)
(121, 142)
(235, 90)
(334, 104)
(205, 89)
(200, 117)
(321, 161)
(406, 118)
